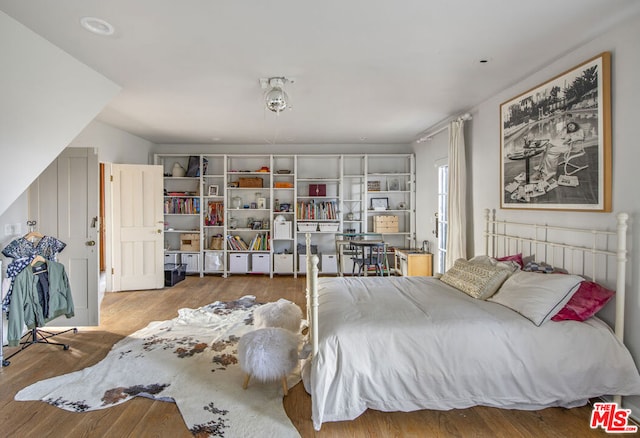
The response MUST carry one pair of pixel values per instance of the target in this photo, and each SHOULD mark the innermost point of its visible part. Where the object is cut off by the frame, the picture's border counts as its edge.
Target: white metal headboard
(598, 254)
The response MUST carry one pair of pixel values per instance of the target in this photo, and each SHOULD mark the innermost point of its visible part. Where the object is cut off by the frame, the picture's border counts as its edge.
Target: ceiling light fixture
(276, 99)
(97, 26)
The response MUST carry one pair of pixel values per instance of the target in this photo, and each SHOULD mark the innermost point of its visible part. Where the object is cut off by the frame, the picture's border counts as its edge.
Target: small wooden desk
(411, 262)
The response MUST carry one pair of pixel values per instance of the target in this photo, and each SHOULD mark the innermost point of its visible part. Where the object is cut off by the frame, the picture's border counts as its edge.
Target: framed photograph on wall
(555, 142)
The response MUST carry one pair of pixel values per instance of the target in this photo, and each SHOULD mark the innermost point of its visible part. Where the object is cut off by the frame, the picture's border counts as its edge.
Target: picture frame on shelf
(555, 142)
(373, 186)
(393, 185)
(379, 204)
(193, 169)
(212, 190)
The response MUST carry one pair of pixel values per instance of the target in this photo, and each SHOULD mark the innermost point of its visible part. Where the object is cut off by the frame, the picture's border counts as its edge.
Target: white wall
(284, 149)
(114, 145)
(47, 98)
(484, 141)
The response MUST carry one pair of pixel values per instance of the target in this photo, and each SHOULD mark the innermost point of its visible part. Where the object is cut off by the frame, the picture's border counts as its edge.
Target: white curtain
(457, 220)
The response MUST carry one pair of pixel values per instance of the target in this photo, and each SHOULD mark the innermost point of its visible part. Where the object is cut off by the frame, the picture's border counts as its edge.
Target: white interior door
(137, 227)
(64, 202)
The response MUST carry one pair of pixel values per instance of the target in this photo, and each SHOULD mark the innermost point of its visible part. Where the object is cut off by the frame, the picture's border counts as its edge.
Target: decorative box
(317, 190)
(250, 182)
(385, 224)
(190, 242)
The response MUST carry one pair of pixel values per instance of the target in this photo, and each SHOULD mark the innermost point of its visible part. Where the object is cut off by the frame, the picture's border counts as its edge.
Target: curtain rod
(426, 135)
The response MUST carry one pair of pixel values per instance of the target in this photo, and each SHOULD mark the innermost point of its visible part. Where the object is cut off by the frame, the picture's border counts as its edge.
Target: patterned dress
(23, 251)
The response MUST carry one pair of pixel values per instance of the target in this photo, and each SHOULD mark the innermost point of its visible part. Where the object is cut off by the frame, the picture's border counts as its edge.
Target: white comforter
(410, 343)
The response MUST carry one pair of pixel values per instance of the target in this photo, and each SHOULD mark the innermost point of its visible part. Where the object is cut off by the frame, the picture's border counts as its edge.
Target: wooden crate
(385, 224)
(190, 242)
(250, 182)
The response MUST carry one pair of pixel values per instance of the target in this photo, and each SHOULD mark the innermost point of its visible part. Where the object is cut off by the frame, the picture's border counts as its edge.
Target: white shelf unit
(394, 175)
(249, 211)
(284, 204)
(319, 186)
(285, 178)
(213, 220)
(182, 209)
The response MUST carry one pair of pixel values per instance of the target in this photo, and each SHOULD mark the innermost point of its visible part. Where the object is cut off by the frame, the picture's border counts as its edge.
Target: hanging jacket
(26, 307)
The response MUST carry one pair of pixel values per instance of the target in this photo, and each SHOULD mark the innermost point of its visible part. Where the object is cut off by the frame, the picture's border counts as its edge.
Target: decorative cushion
(586, 302)
(477, 280)
(539, 267)
(282, 313)
(490, 261)
(536, 297)
(512, 258)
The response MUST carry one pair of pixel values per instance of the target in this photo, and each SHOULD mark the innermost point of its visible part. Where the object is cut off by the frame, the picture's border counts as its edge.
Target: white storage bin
(302, 263)
(260, 263)
(213, 261)
(192, 261)
(282, 230)
(329, 227)
(239, 263)
(329, 263)
(307, 226)
(283, 263)
(172, 259)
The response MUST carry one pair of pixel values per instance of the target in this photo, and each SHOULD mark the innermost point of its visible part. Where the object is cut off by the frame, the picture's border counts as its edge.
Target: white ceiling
(366, 71)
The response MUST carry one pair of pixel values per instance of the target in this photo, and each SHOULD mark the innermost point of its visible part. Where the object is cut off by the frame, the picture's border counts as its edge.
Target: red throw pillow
(586, 302)
(512, 258)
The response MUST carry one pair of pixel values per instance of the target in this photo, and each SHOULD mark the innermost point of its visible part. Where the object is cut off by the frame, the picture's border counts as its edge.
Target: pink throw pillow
(512, 258)
(586, 302)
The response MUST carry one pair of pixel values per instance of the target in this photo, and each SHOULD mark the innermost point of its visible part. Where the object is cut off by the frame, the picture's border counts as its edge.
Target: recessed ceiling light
(97, 26)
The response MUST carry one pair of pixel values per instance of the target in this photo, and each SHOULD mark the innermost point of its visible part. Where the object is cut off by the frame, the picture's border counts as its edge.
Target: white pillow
(537, 297)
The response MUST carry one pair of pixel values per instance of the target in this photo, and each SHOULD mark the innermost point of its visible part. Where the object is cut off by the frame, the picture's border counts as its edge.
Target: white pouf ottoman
(268, 354)
(282, 313)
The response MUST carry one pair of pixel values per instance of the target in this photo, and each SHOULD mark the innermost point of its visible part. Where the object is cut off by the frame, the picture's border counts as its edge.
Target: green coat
(25, 307)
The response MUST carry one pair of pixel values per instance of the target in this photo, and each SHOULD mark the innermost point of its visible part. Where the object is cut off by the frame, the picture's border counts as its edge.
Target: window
(442, 215)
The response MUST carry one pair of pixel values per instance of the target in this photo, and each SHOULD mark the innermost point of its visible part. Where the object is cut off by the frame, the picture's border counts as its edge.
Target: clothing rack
(35, 335)
(2, 360)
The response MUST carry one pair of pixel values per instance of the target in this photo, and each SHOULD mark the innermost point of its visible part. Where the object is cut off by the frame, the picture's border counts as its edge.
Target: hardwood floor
(125, 312)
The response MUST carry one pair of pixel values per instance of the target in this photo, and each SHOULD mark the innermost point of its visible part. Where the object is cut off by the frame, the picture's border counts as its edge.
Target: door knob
(159, 231)
(91, 243)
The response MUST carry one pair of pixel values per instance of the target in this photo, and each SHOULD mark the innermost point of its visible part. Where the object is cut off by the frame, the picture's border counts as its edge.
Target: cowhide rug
(190, 360)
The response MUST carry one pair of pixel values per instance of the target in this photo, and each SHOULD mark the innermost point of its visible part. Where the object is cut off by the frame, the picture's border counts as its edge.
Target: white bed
(410, 343)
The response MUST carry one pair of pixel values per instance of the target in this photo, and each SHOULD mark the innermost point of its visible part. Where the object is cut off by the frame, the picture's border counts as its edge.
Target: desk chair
(370, 255)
